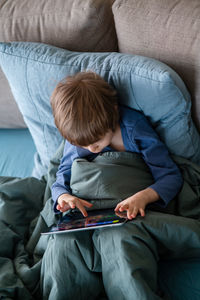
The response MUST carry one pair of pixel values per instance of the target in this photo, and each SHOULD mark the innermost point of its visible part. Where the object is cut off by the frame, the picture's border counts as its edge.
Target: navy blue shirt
(138, 136)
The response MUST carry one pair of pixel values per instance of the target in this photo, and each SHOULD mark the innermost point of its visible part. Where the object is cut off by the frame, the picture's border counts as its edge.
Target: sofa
(167, 31)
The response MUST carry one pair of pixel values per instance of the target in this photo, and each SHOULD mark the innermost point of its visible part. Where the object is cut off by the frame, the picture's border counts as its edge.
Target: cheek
(108, 140)
(105, 143)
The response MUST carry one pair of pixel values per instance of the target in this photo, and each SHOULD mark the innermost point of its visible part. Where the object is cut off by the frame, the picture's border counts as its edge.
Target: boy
(87, 114)
(122, 260)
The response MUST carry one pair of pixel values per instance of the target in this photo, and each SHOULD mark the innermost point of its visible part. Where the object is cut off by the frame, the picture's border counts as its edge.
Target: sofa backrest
(71, 24)
(165, 30)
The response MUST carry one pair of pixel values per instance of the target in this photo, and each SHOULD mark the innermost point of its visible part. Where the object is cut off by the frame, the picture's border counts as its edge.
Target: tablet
(75, 221)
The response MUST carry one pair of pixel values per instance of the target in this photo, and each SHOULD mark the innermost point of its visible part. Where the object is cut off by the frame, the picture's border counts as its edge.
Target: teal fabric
(24, 215)
(113, 176)
(34, 69)
(180, 278)
(99, 179)
(128, 257)
(17, 151)
(83, 264)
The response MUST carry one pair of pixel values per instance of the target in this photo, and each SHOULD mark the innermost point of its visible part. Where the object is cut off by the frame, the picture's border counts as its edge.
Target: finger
(61, 203)
(129, 214)
(63, 208)
(85, 203)
(123, 207)
(135, 212)
(72, 204)
(58, 207)
(142, 212)
(81, 208)
(120, 214)
(117, 213)
(117, 207)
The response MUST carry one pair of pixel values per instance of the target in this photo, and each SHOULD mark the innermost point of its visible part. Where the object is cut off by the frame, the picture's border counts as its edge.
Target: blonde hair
(84, 108)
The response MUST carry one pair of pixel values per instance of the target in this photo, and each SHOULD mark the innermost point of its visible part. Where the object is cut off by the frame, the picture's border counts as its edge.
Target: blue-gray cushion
(34, 69)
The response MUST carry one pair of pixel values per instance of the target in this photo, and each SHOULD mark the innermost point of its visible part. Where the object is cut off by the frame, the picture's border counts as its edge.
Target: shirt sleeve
(167, 176)
(63, 175)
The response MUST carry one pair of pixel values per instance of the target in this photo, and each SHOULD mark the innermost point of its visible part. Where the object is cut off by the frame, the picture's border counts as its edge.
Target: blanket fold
(114, 176)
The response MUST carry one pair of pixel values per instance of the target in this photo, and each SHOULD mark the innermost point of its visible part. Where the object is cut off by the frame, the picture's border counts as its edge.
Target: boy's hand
(67, 201)
(137, 203)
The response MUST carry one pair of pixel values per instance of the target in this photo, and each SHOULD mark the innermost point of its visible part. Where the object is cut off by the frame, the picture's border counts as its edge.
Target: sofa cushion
(33, 70)
(165, 30)
(16, 159)
(10, 116)
(71, 24)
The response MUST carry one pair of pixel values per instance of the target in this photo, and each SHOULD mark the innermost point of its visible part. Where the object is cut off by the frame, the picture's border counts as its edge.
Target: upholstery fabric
(16, 152)
(72, 24)
(167, 31)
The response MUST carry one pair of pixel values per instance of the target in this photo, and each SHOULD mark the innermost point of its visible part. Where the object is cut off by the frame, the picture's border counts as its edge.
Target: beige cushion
(166, 30)
(10, 116)
(71, 24)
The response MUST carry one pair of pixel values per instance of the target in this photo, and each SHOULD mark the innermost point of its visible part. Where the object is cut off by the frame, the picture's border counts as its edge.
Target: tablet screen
(74, 221)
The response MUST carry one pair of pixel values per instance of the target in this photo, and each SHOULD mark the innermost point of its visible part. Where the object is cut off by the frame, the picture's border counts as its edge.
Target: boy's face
(101, 144)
